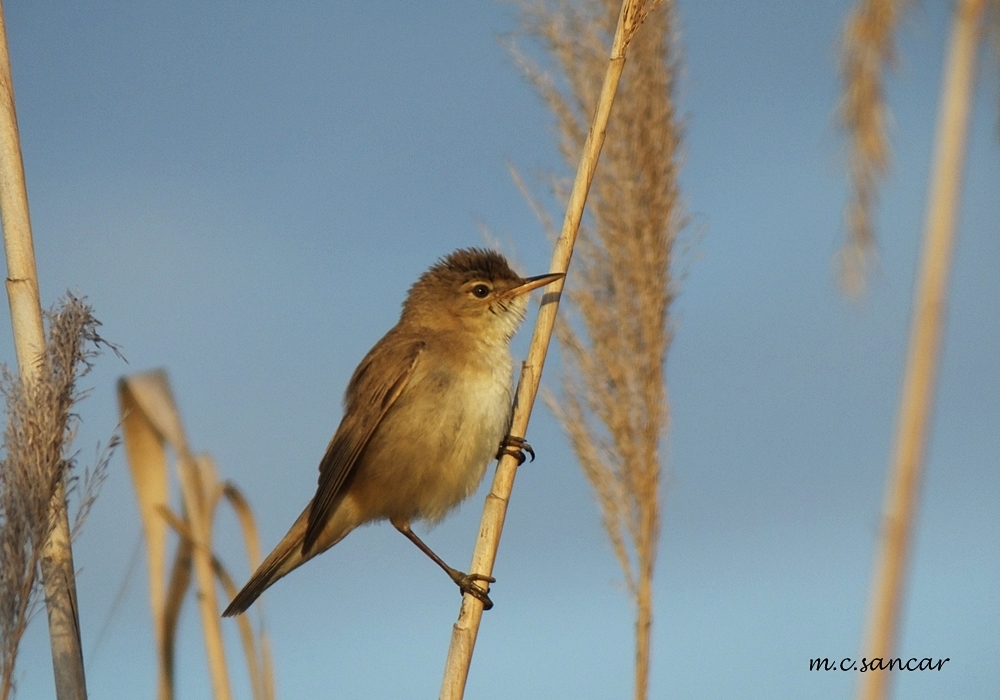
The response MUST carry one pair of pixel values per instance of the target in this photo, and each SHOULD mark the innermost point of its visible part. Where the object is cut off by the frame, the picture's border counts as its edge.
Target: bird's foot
(467, 584)
(515, 447)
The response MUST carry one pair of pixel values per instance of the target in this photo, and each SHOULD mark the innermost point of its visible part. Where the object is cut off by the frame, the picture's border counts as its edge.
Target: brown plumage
(424, 413)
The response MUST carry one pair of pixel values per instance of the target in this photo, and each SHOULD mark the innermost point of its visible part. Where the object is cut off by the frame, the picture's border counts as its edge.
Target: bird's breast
(432, 449)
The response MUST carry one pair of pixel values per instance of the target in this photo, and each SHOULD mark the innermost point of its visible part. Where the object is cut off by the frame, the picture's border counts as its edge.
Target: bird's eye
(480, 291)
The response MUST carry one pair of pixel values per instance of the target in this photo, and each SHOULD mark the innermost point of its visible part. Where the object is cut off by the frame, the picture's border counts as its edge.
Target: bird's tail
(288, 554)
(285, 557)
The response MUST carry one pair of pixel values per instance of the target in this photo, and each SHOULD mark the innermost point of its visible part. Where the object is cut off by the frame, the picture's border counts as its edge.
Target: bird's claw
(467, 584)
(515, 447)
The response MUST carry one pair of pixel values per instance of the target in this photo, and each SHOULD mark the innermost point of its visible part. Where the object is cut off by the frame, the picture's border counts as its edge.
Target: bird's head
(474, 290)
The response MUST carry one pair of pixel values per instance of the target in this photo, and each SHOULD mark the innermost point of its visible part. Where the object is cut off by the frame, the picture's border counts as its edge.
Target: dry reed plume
(37, 441)
(614, 343)
(868, 47)
(466, 628)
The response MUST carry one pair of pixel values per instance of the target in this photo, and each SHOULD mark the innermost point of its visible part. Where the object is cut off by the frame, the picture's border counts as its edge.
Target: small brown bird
(424, 413)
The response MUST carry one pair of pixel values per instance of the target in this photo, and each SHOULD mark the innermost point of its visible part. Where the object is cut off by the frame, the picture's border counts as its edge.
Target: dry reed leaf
(147, 460)
(153, 412)
(151, 391)
(266, 664)
(177, 587)
(248, 524)
(151, 423)
(251, 653)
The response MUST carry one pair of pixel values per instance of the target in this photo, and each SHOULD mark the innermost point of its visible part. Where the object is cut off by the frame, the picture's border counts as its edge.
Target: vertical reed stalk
(29, 341)
(926, 332)
(465, 630)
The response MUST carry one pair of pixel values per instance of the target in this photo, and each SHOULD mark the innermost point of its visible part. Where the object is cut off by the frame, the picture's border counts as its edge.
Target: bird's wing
(367, 390)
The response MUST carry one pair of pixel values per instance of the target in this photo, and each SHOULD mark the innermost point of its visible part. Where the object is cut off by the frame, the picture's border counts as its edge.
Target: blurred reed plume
(38, 460)
(151, 423)
(615, 337)
(868, 46)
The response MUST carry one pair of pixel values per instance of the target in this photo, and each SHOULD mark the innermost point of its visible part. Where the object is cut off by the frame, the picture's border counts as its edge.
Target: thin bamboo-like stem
(926, 332)
(22, 276)
(58, 573)
(465, 630)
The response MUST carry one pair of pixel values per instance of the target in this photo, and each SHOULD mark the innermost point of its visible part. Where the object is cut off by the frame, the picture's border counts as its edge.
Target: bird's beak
(534, 283)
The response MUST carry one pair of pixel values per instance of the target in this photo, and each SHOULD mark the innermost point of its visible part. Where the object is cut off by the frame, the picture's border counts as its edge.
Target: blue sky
(244, 192)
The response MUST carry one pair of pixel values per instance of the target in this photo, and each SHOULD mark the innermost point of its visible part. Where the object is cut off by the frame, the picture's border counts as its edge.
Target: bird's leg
(466, 582)
(515, 447)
